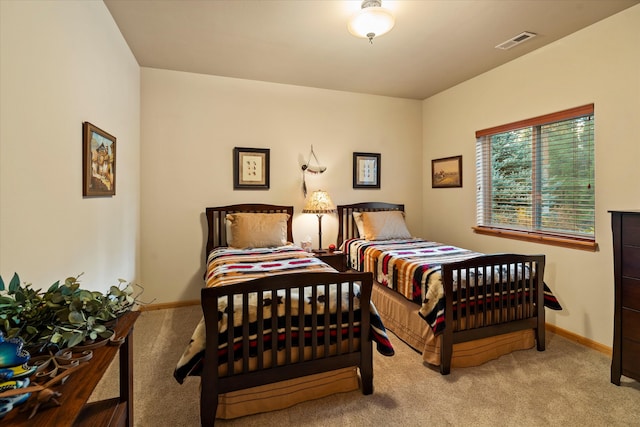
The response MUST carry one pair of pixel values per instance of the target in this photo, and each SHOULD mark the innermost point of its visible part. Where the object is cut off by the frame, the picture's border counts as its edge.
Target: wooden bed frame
(217, 231)
(261, 369)
(480, 322)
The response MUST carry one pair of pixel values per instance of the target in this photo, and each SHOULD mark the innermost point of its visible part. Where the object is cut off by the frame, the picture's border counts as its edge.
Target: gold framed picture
(446, 172)
(98, 162)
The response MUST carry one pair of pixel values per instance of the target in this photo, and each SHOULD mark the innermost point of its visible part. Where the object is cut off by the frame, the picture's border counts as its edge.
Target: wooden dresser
(626, 324)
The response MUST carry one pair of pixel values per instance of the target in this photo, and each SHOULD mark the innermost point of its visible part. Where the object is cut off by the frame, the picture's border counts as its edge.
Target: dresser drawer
(625, 226)
(631, 325)
(631, 293)
(631, 359)
(631, 261)
(631, 227)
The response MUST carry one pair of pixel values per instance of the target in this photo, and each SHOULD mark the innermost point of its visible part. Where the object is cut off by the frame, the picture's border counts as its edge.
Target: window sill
(582, 244)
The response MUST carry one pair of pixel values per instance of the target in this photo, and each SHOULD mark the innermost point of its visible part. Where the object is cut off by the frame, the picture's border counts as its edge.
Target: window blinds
(537, 175)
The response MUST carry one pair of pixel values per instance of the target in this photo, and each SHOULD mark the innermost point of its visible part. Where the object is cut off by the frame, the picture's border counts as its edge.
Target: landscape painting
(446, 172)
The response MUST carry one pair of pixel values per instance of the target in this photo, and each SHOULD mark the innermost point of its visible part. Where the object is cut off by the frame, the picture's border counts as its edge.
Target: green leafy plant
(63, 316)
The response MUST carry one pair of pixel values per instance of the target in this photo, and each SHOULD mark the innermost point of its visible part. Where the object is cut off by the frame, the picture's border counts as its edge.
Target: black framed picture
(250, 168)
(366, 170)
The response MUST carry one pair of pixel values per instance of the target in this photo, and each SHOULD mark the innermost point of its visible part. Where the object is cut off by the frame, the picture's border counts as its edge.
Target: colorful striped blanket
(416, 265)
(228, 266)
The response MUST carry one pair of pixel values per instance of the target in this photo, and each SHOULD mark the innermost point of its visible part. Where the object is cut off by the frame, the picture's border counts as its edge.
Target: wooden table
(74, 410)
(335, 259)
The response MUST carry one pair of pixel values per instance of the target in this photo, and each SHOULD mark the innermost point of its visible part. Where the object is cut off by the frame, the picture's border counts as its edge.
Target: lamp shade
(319, 202)
(372, 20)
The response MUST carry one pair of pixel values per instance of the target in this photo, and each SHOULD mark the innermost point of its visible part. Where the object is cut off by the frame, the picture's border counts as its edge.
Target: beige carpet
(567, 385)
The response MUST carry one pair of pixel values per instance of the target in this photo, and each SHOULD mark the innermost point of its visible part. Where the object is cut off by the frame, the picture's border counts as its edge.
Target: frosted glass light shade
(370, 22)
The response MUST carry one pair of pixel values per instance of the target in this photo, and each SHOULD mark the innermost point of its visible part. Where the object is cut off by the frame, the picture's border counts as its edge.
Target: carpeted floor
(566, 385)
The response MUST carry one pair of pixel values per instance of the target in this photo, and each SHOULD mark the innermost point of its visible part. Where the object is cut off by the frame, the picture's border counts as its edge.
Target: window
(536, 179)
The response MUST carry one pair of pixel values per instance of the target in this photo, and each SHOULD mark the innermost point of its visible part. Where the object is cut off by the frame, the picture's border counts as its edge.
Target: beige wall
(190, 125)
(62, 63)
(600, 64)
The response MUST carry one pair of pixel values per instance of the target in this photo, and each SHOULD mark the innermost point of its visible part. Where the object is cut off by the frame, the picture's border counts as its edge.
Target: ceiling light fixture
(372, 20)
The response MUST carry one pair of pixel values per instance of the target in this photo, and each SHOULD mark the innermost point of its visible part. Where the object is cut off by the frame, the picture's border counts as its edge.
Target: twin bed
(499, 310)
(273, 312)
(325, 323)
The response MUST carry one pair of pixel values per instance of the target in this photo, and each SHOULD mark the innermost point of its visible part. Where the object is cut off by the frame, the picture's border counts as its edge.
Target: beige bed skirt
(284, 394)
(401, 317)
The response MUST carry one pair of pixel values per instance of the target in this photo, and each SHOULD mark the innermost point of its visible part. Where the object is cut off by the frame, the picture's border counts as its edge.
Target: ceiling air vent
(522, 37)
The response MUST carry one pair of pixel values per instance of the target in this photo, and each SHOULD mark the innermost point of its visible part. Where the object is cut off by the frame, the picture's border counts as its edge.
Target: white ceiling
(434, 45)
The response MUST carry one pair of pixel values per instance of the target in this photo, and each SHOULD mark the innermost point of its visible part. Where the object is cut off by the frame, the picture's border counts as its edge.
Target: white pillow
(384, 225)
(228, 232)
(257, 230)
(357, 217)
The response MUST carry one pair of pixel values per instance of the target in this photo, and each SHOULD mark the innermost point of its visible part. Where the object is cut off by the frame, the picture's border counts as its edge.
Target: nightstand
(335, 259)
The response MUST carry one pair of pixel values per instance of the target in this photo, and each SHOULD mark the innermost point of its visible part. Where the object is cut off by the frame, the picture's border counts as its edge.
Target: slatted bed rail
(263, 354)
(500, 293)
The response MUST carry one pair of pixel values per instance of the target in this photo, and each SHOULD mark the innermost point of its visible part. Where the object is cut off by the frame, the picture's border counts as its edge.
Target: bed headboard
(347, 225)
(217, 232)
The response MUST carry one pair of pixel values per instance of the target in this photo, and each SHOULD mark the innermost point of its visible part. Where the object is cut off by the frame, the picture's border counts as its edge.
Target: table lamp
(319, 203)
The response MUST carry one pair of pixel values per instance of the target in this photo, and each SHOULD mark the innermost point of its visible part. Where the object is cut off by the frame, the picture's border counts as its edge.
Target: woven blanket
(227, 266)
(416, 264)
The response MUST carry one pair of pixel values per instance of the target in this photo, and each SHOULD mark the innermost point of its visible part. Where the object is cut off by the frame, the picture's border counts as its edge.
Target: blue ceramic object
(18, 372)
(6, 374)
(12, 384)
(14, 372)
(12, 353)
(8, 403)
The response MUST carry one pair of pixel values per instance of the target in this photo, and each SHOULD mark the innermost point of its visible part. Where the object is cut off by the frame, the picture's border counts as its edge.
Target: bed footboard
(500, 293)
(330, 334)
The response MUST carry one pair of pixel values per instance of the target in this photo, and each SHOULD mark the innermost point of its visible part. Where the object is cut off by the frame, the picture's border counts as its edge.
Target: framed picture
(98, 162)
(250, 168)
(446, 172)
(366, 170)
